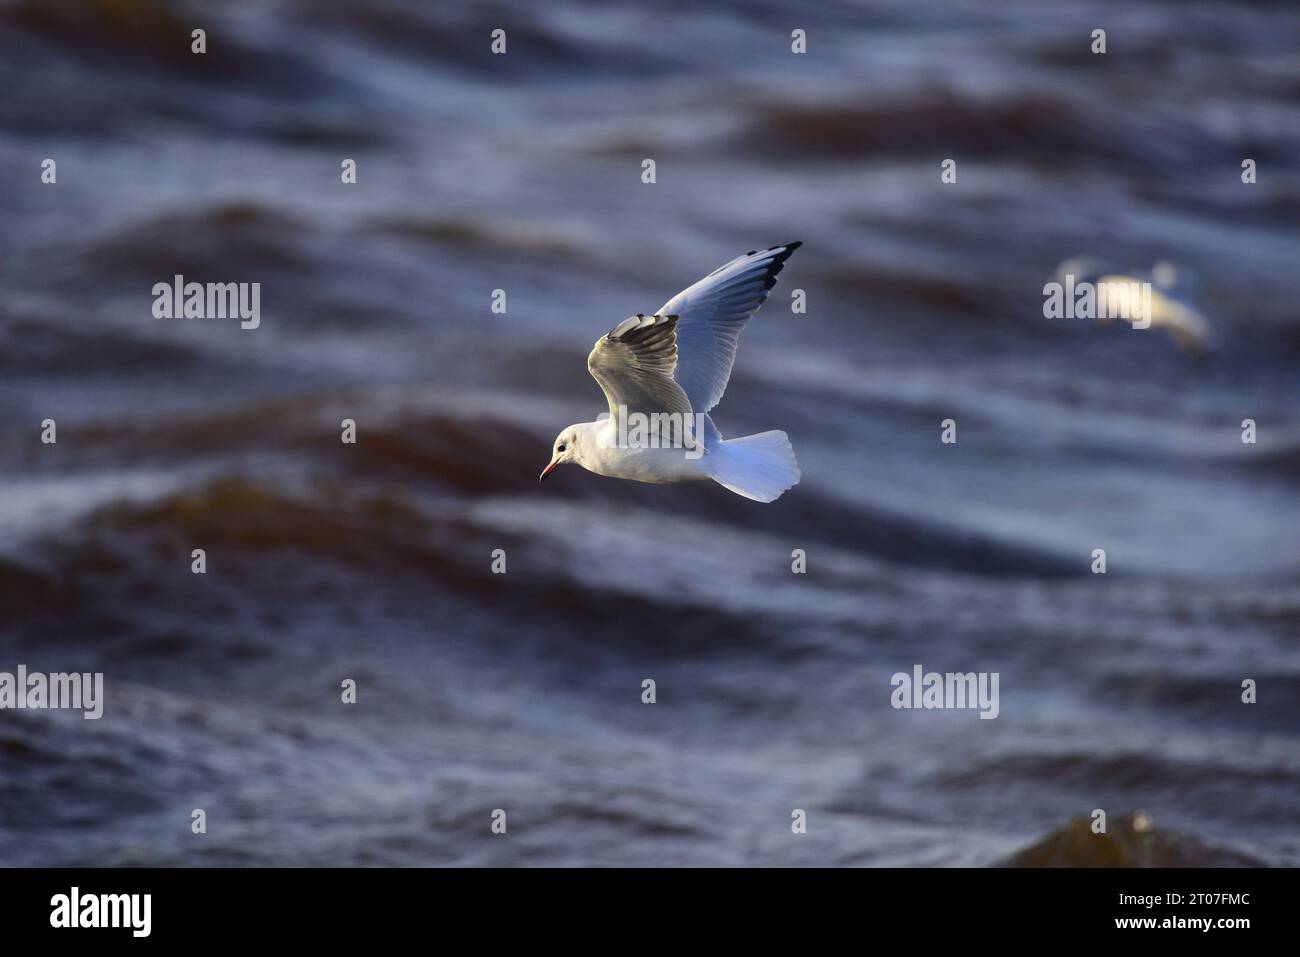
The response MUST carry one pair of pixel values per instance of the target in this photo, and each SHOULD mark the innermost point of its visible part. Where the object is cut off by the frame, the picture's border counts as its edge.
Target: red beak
(547, 471)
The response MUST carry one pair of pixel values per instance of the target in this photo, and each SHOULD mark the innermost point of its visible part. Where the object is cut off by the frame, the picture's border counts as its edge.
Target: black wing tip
(781, 252)
(778, 260)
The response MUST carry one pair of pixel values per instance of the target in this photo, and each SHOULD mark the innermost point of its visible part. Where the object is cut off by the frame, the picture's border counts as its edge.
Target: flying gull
(1189, 328)
(663, 373)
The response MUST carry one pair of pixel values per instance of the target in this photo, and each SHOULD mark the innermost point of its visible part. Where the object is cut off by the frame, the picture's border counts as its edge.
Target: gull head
(566, 447)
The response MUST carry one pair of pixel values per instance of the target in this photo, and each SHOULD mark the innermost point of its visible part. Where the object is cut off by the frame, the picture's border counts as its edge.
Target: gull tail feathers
(759, 467)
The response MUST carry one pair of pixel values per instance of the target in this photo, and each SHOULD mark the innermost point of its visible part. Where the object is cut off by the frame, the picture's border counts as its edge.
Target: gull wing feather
(634, 366)
(711, 314)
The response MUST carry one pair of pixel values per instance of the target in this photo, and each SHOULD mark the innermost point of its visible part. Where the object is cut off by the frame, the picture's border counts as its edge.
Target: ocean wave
(142, 38)
(539, 48)
(1131, 840)
(24, 588)
(1279, 460)
(922, 121)
(50, 343)
(149, 29)
(1119, 769)
(229, 238)
(461, 232)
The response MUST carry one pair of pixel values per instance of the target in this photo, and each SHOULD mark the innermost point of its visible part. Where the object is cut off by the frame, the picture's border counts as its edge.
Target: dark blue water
(522, 691)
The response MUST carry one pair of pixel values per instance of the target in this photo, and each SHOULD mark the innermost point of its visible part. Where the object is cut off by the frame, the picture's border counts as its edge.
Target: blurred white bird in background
(1167, 309)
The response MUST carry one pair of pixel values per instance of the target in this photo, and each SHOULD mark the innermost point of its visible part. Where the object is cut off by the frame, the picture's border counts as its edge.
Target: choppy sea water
(523, 691)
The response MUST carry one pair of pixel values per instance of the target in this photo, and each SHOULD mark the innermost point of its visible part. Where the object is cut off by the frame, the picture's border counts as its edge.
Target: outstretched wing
(634, 365)
(711, 314)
